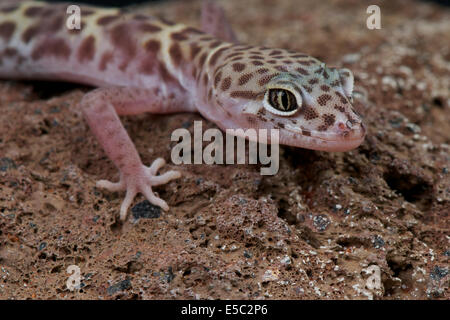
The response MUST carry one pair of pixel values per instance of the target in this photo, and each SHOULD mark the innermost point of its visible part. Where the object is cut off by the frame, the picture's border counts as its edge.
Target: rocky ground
(370, 223)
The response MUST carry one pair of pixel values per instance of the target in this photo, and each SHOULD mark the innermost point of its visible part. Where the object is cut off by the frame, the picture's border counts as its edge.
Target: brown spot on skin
(226, 84)
(120, 36)
(302, 71)
(104, 60)
(9, 9)
(148, 27)
(56, 24)
(309, 112)
(322, 128)
(287, 61)
(303, 62)
(165, 75)
(10, 52)
(105, 20)
(341, 97)
(280, 124)
(215, 44)
(179, 36)
(335, 83)
(244, 94)
(262, 118)
(245, 78)
(299, 55)
(217, 79)
(209, 94)
(306, 133)
(257, 63)
(194, 71)
(7, 30)
(325, 75)
(234, 54)
(275, 53)
(281, 68)
(266, 79)
(313, 81)
(202, 59)
(207, 38)
(190, 30)
(32, 12)
(329, 119)
(325, 88)
(152, 46)
(205, 79)
(55, 47)
(272, 61)
(242, 48)
(323, 99)
(238, 67)
(87, 12)
(339, 108)
(308, 89)
(176, 54)
(195, 49)
(256, 57)
(87, 49)
(216, 56)
(48, 11)
(166, 22)
(261, 111)
(262, 70)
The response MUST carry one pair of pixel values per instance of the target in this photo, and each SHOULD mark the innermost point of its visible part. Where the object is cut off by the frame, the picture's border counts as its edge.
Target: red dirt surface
(316, 230)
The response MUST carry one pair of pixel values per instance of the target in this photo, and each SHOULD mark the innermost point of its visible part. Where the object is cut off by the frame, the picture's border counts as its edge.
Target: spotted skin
(144, 64)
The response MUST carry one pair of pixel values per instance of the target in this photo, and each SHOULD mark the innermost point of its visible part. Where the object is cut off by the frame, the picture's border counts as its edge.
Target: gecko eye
(281, 102)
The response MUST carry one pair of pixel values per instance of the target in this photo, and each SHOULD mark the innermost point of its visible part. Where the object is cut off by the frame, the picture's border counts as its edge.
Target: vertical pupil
(284, 100)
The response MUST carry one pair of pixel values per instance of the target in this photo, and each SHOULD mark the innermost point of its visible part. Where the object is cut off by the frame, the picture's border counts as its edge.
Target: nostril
(341, 125)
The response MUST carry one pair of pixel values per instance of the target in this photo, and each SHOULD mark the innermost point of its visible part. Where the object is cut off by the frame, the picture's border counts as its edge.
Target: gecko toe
(164, 178)
(110, 186)
(131, 193)
(148, 193)
(156, 165)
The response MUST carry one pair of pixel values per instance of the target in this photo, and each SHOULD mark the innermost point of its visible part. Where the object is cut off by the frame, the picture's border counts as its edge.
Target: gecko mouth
(337, 140)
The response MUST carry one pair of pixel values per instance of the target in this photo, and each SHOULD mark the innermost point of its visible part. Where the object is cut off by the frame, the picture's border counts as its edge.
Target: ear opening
(347, 80)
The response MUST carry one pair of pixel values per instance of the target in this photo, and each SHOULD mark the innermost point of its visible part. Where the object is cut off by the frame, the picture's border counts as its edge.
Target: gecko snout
(351, 130)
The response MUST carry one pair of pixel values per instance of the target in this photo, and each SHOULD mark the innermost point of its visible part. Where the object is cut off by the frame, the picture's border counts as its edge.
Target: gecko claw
(141, 181)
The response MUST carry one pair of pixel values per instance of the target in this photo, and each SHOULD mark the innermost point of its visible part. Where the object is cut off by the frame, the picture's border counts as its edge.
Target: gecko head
(309, 103)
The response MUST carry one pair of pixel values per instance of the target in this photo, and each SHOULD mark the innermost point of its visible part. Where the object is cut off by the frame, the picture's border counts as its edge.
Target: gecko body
(144, 64)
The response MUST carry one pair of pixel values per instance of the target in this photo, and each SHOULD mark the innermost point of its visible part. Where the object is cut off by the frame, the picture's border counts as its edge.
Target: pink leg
(101, 108)
(216, 23)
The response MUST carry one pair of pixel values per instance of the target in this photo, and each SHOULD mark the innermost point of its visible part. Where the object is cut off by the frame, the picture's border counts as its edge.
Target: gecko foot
(142, 181)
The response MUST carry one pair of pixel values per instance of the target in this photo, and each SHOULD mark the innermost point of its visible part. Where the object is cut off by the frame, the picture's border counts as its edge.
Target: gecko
(140, 63)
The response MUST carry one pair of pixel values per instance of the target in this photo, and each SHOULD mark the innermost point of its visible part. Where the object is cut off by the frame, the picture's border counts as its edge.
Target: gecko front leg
(101, 108)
